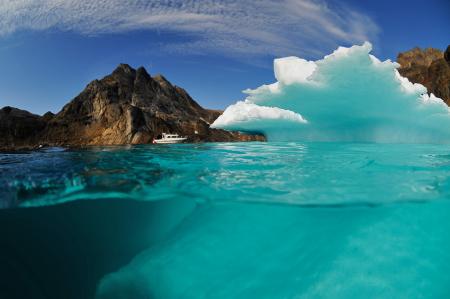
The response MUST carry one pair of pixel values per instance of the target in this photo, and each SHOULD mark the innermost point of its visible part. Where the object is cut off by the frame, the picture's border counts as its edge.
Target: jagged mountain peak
(126, 106)
(131, 106)
(142, 72)
(124, 68)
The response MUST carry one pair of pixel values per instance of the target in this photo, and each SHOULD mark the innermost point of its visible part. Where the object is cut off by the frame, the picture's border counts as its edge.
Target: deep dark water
(62, 251)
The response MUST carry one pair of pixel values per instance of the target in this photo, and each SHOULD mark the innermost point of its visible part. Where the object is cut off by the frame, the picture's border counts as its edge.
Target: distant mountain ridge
(126, 107)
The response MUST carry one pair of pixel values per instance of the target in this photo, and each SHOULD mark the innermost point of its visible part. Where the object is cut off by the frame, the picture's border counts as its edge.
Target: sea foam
(349, 95)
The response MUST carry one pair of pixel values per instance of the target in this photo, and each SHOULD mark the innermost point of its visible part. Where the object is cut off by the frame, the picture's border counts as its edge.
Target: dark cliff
(429, 67)
(19, 128)
(126, 107)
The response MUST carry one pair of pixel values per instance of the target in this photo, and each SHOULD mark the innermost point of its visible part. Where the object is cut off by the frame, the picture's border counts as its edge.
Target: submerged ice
(273, 251)
(349, 95)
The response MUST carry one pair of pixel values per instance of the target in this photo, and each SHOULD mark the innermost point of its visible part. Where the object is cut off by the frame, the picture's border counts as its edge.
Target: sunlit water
(261, 220)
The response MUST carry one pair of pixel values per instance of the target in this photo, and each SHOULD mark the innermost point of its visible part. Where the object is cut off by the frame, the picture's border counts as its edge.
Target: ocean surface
(226, 220)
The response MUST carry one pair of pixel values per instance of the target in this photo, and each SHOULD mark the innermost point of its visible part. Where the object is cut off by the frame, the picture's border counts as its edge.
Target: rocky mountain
(429, 67)
(19, 128)
(126, 107)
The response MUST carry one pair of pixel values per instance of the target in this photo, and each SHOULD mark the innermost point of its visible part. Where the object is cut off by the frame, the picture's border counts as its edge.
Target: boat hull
(167, 141)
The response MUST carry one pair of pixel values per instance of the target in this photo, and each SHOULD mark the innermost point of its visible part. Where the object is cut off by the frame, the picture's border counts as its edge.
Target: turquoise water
(253, 220)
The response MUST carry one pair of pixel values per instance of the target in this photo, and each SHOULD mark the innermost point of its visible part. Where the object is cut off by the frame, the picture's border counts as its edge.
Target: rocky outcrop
(429, 67)
(126, 107)
(19, 128)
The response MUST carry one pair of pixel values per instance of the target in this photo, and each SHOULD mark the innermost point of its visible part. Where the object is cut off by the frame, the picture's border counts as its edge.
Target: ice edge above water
(349, 95)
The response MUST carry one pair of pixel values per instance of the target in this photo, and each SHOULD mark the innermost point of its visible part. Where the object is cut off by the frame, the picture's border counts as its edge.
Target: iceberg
(349, 95)
(275, 251)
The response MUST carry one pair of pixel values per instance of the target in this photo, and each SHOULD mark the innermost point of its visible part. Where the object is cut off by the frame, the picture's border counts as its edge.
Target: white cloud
(265, 27)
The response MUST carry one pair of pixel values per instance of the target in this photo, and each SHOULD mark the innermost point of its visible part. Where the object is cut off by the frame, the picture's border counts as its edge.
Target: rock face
(127, 107)
(19, 128)
(429, 67)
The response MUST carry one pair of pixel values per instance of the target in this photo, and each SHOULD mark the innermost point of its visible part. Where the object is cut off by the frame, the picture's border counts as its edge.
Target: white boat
(169, 139)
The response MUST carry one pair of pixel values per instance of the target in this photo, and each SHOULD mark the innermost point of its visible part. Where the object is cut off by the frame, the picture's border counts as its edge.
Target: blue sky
(51, 49)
